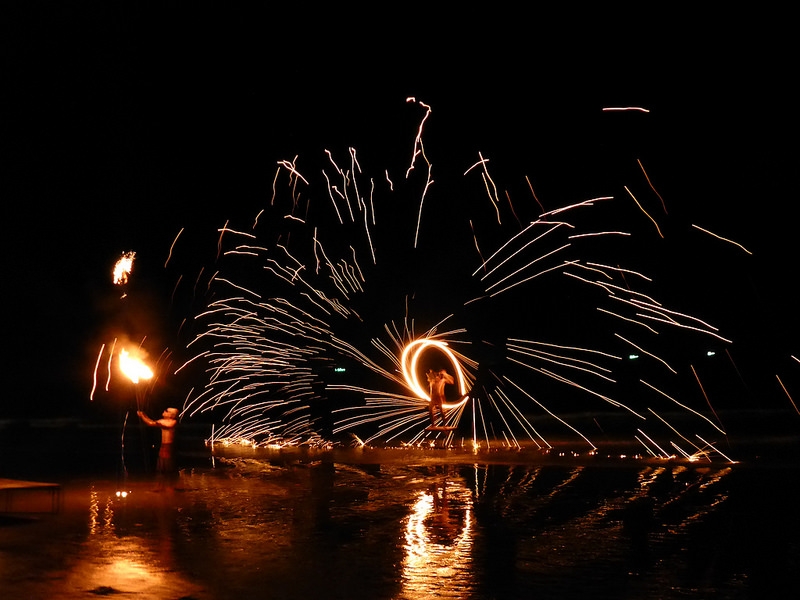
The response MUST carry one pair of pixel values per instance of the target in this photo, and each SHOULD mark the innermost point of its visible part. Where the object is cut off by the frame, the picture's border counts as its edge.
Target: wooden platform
(29, 496)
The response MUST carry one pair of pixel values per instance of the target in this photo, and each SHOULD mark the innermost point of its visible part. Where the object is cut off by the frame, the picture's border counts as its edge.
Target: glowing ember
(133, 368)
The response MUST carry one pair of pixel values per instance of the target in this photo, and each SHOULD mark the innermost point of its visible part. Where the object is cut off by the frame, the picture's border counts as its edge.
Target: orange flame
(123, 268)
(133, 368)
(409, 359)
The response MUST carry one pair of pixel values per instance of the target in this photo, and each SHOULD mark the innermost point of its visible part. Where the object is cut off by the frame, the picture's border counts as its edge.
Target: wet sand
(84, 550)
(410, 523)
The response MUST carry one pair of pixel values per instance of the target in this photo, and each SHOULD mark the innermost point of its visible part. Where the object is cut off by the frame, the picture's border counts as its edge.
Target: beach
(393, 523)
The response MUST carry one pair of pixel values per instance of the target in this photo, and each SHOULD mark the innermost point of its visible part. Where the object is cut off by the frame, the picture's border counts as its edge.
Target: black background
(128, 122)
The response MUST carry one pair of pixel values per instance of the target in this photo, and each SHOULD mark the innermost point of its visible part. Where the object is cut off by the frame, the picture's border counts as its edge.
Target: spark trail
(312, 312)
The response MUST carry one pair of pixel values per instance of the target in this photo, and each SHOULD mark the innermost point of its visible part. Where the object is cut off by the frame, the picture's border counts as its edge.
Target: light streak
(562, 360)
(172, 247)
(576, 205)
(683, 406)
(644, 211)
(652, 187)
(590, 391)
(556, 417)
(708, 401)
(487, 180)
(421, 201)
(274, 193)
(625, 108)
(676, 431)
(527, 279)
(643, 351)
(513, 274)
(219, 241)
(175, 287)
(511, 206)
(108, 366)
(787, 394)
(628, 319)
(530, 186)
(94, 373)
(334, 287)
(710, 445)
(480, 162)
(663, 315)
(596, 234)
(619, 270)
(648, 449)
(664, 453)
(475, 238)
(719, 237)
(290, 166)
(418, 139)
(552, 227)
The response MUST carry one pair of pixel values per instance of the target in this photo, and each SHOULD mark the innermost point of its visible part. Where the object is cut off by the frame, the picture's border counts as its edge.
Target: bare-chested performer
(166, 458)
(437, 381)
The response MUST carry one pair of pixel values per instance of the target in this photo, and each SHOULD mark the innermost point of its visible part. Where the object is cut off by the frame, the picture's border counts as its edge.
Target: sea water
(411, 524)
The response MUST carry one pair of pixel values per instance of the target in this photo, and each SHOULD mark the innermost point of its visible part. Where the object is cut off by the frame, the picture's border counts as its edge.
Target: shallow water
(412, 524)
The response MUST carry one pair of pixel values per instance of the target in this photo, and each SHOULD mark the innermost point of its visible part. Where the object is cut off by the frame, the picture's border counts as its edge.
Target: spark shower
(312, 307)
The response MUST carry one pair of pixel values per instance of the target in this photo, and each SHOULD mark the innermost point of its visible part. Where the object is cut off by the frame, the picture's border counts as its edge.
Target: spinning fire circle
(410, 358)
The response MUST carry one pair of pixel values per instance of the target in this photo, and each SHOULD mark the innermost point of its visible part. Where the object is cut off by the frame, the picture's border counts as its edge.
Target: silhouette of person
(437, 380)
(166, 456)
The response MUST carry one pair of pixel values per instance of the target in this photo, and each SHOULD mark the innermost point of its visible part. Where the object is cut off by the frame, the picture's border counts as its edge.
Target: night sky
(124, 125)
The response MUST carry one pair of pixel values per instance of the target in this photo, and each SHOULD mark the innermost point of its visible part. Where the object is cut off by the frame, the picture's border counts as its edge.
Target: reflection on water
(114, 558)
(438, 541)
(257, 528)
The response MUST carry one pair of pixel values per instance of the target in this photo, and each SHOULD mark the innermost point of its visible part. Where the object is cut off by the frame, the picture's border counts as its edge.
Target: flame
(409, 358)
(123, 268)
(133, 368)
